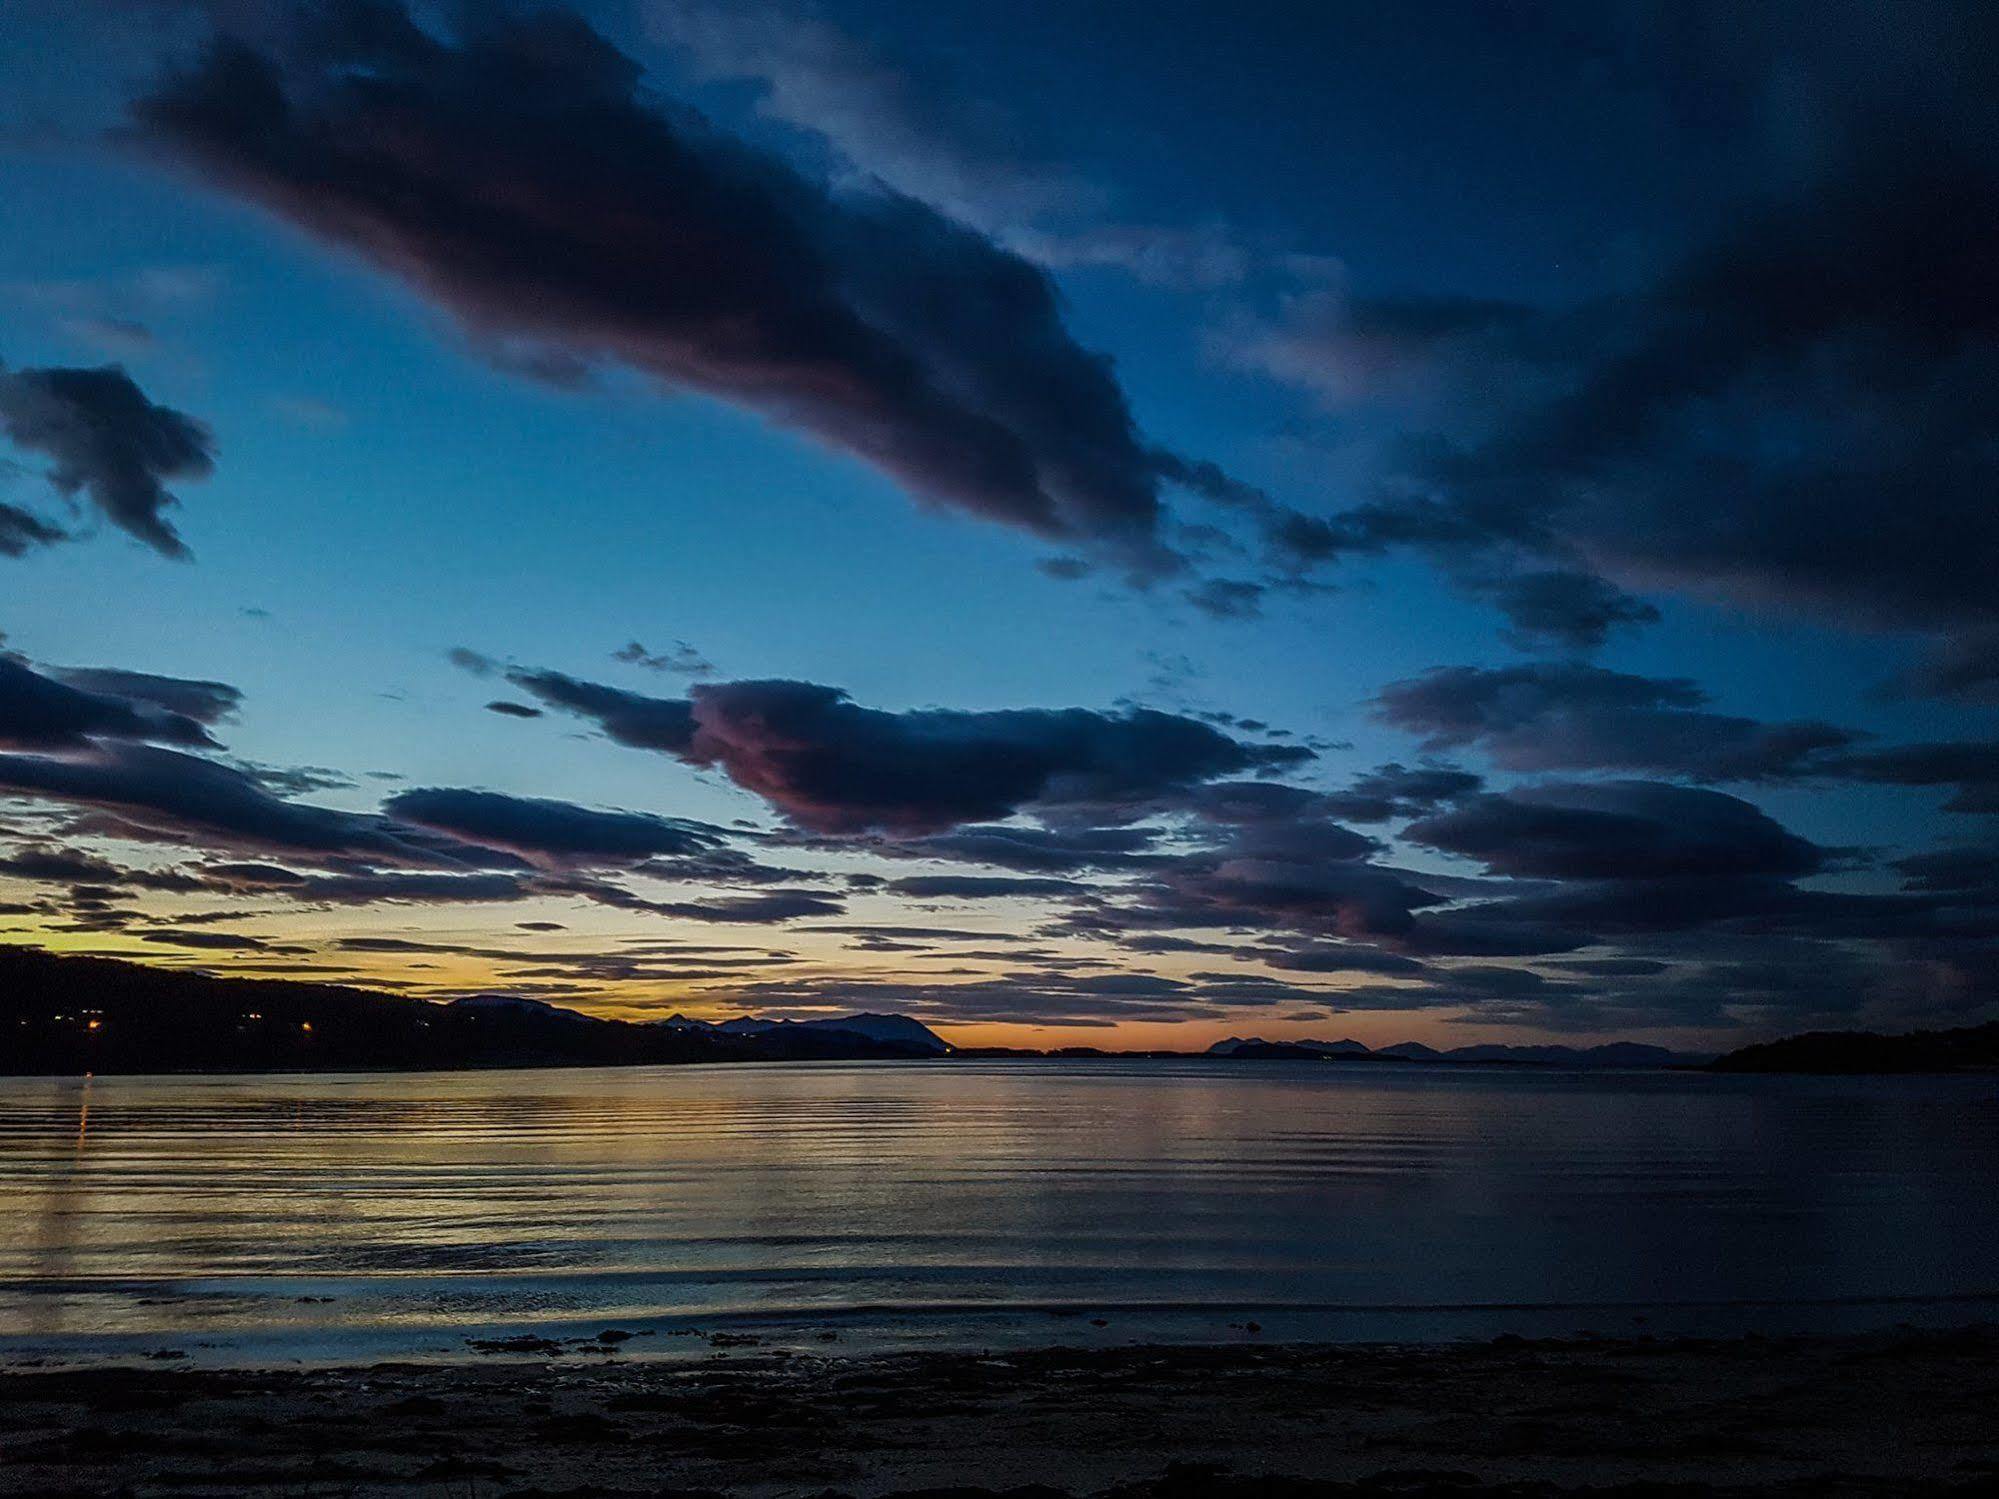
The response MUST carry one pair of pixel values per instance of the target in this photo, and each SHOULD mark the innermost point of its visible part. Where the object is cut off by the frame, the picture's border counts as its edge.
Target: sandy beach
(1890, 1413)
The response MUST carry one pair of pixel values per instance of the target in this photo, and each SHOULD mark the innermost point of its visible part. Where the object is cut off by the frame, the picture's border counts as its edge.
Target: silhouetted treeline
(1971, 1048)
(73, 1015)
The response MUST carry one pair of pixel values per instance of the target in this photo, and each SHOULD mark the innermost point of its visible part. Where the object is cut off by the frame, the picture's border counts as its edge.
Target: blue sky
(1239, 208)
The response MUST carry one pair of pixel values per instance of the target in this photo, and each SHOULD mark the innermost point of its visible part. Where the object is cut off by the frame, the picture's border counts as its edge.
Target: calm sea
(331, 1217)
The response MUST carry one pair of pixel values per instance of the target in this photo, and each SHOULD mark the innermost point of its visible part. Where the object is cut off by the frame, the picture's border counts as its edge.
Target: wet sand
(1892, 1413)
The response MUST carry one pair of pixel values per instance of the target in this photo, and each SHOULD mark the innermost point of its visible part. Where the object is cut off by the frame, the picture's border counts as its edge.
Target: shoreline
(956, 1057)
(1899, 1412)
(236, 1324)
(987, 1057)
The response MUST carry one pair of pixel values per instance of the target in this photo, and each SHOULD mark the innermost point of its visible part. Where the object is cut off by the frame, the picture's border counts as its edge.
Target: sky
(1088, 525)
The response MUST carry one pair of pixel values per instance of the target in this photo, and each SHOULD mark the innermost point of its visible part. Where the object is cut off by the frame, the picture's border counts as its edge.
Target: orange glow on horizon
(445, 974)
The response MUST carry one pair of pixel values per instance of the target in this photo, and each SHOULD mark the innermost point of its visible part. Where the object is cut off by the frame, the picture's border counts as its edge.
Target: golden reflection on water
(64, 1197)
(707, 1189)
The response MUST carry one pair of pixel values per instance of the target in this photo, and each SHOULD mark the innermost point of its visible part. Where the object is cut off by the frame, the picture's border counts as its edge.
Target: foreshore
(1899, 1413)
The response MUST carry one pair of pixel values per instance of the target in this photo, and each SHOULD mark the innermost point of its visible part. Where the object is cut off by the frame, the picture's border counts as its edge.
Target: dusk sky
(1101, 524)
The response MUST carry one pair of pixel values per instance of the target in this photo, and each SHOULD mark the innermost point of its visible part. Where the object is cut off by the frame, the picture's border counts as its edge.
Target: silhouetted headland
(1972, 1048)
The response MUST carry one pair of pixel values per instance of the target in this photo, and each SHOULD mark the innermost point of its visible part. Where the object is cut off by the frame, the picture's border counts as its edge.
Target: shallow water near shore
(335, 1218)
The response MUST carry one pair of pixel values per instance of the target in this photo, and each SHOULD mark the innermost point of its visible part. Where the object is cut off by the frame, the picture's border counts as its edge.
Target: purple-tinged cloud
(1566, 715)
(1618, 830)
(833, 766)
(584, 223)
(546, 831)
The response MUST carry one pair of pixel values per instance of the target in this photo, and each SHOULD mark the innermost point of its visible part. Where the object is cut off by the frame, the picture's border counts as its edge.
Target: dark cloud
(1155, 942)
(1565, 607)
(513, 710)
(1475, 982)
(582, 223)
(48, 863)
(1613, 967)
(367, 887)
(645, 962)
(1952, 869)
(201, 918)
(1797, 412)
(1057, 850)
(1227, 598)
(20, 531)
(1572, 716)
(981, 887)
(1618, 830)
(1293, 544)
(1790, 988)
(1303, 873)
(546, 831)
(1394, 790)
(397, 945)
(1689, 908)
(106, 441)
(769, 906)
(683, 660)
(1965, 667)
(1357, 899)
(1792, 408)
(294, 780)
(399, 887)
(1302, 840)
(916, 934)
(215, 941)
(161, 794)
(1344, 957)
(1039, 996)
(835, 767)
(1970, 767)
(247, 874)
(66, 710)
(204, 702)
(726, 866)
(1238, 802)
(631, 718)
(937, 136)
(1350, 349)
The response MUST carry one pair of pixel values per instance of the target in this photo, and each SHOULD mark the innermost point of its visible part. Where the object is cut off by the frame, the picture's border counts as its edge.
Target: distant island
(1615, 1054)
(62, 1015)
(1974, 1048)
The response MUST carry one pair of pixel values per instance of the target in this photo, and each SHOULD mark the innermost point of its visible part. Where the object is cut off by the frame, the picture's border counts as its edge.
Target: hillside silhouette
(1968, 1049)
(72, 1015)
